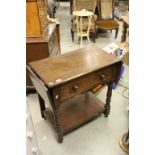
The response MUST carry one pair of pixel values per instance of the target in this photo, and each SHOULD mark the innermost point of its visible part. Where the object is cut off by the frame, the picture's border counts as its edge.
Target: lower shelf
(79, 110)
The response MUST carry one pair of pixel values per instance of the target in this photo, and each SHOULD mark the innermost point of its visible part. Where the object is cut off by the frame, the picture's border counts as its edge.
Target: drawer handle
(75, 87)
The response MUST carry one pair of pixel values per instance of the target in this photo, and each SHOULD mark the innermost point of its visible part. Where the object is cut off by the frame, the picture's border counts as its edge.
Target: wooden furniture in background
(36, 17)
(106, 19)
(125, 20)
(51, 8)
(88, 5)
(81, 31)
(42, 36)
(64, 82)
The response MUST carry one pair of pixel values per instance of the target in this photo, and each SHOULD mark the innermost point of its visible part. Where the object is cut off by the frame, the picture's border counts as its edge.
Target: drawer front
(85, 83)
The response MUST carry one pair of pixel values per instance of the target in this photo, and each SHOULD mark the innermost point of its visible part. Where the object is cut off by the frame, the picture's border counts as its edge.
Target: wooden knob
(75, 87)
(102, 76)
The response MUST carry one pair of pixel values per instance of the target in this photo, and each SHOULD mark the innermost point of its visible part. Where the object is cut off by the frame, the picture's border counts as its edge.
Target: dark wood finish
(125, 27)
(71, 6)
(79, 110)
(85, 83)
(42, 37)
(124, 31)
(108, 99)
(48, 42)
(72, 65)
(42, 47)
(42, 106)
(66, 80)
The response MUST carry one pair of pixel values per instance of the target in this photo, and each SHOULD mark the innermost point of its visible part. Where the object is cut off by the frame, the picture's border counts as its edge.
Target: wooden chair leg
(94, 36)
(96, 33)
(72, 34)
(116, 33)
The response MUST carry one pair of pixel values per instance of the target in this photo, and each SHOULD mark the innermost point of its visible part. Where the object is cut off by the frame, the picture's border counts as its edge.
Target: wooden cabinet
(42, 36)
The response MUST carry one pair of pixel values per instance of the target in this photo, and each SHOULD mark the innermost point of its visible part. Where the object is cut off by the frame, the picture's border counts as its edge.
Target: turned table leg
(108, 100)
(42, 106)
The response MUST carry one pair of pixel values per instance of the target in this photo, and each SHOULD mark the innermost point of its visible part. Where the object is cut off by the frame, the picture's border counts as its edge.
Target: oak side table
(64, 82)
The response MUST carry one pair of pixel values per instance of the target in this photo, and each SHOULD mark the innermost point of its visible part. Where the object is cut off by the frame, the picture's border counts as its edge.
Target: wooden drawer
(85, 83)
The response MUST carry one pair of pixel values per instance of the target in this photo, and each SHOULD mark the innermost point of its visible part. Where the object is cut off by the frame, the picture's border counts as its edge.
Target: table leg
(42, 106)
(58, 128)
(116, 33)
(30, 90)
(108, 100)
(125, 26)
(60, 135)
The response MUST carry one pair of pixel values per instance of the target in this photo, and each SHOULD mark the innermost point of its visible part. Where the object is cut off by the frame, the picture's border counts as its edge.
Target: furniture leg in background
(81, 32)
(125, 26)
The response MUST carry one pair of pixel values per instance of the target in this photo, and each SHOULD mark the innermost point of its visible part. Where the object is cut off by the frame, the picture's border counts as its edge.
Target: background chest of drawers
(42, 47)
(42, 36)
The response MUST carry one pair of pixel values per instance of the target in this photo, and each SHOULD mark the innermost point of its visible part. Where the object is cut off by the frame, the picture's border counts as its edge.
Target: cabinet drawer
(85, 83)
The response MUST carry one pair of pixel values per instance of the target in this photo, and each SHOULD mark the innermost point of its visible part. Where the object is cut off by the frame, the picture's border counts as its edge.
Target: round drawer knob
(102, 76)
(75, 87)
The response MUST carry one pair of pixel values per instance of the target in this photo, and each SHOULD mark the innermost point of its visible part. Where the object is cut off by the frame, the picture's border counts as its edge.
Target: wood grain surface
(65, 67)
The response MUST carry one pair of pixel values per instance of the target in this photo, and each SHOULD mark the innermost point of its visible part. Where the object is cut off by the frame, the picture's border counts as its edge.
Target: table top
(68, 66)
(83, 13)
